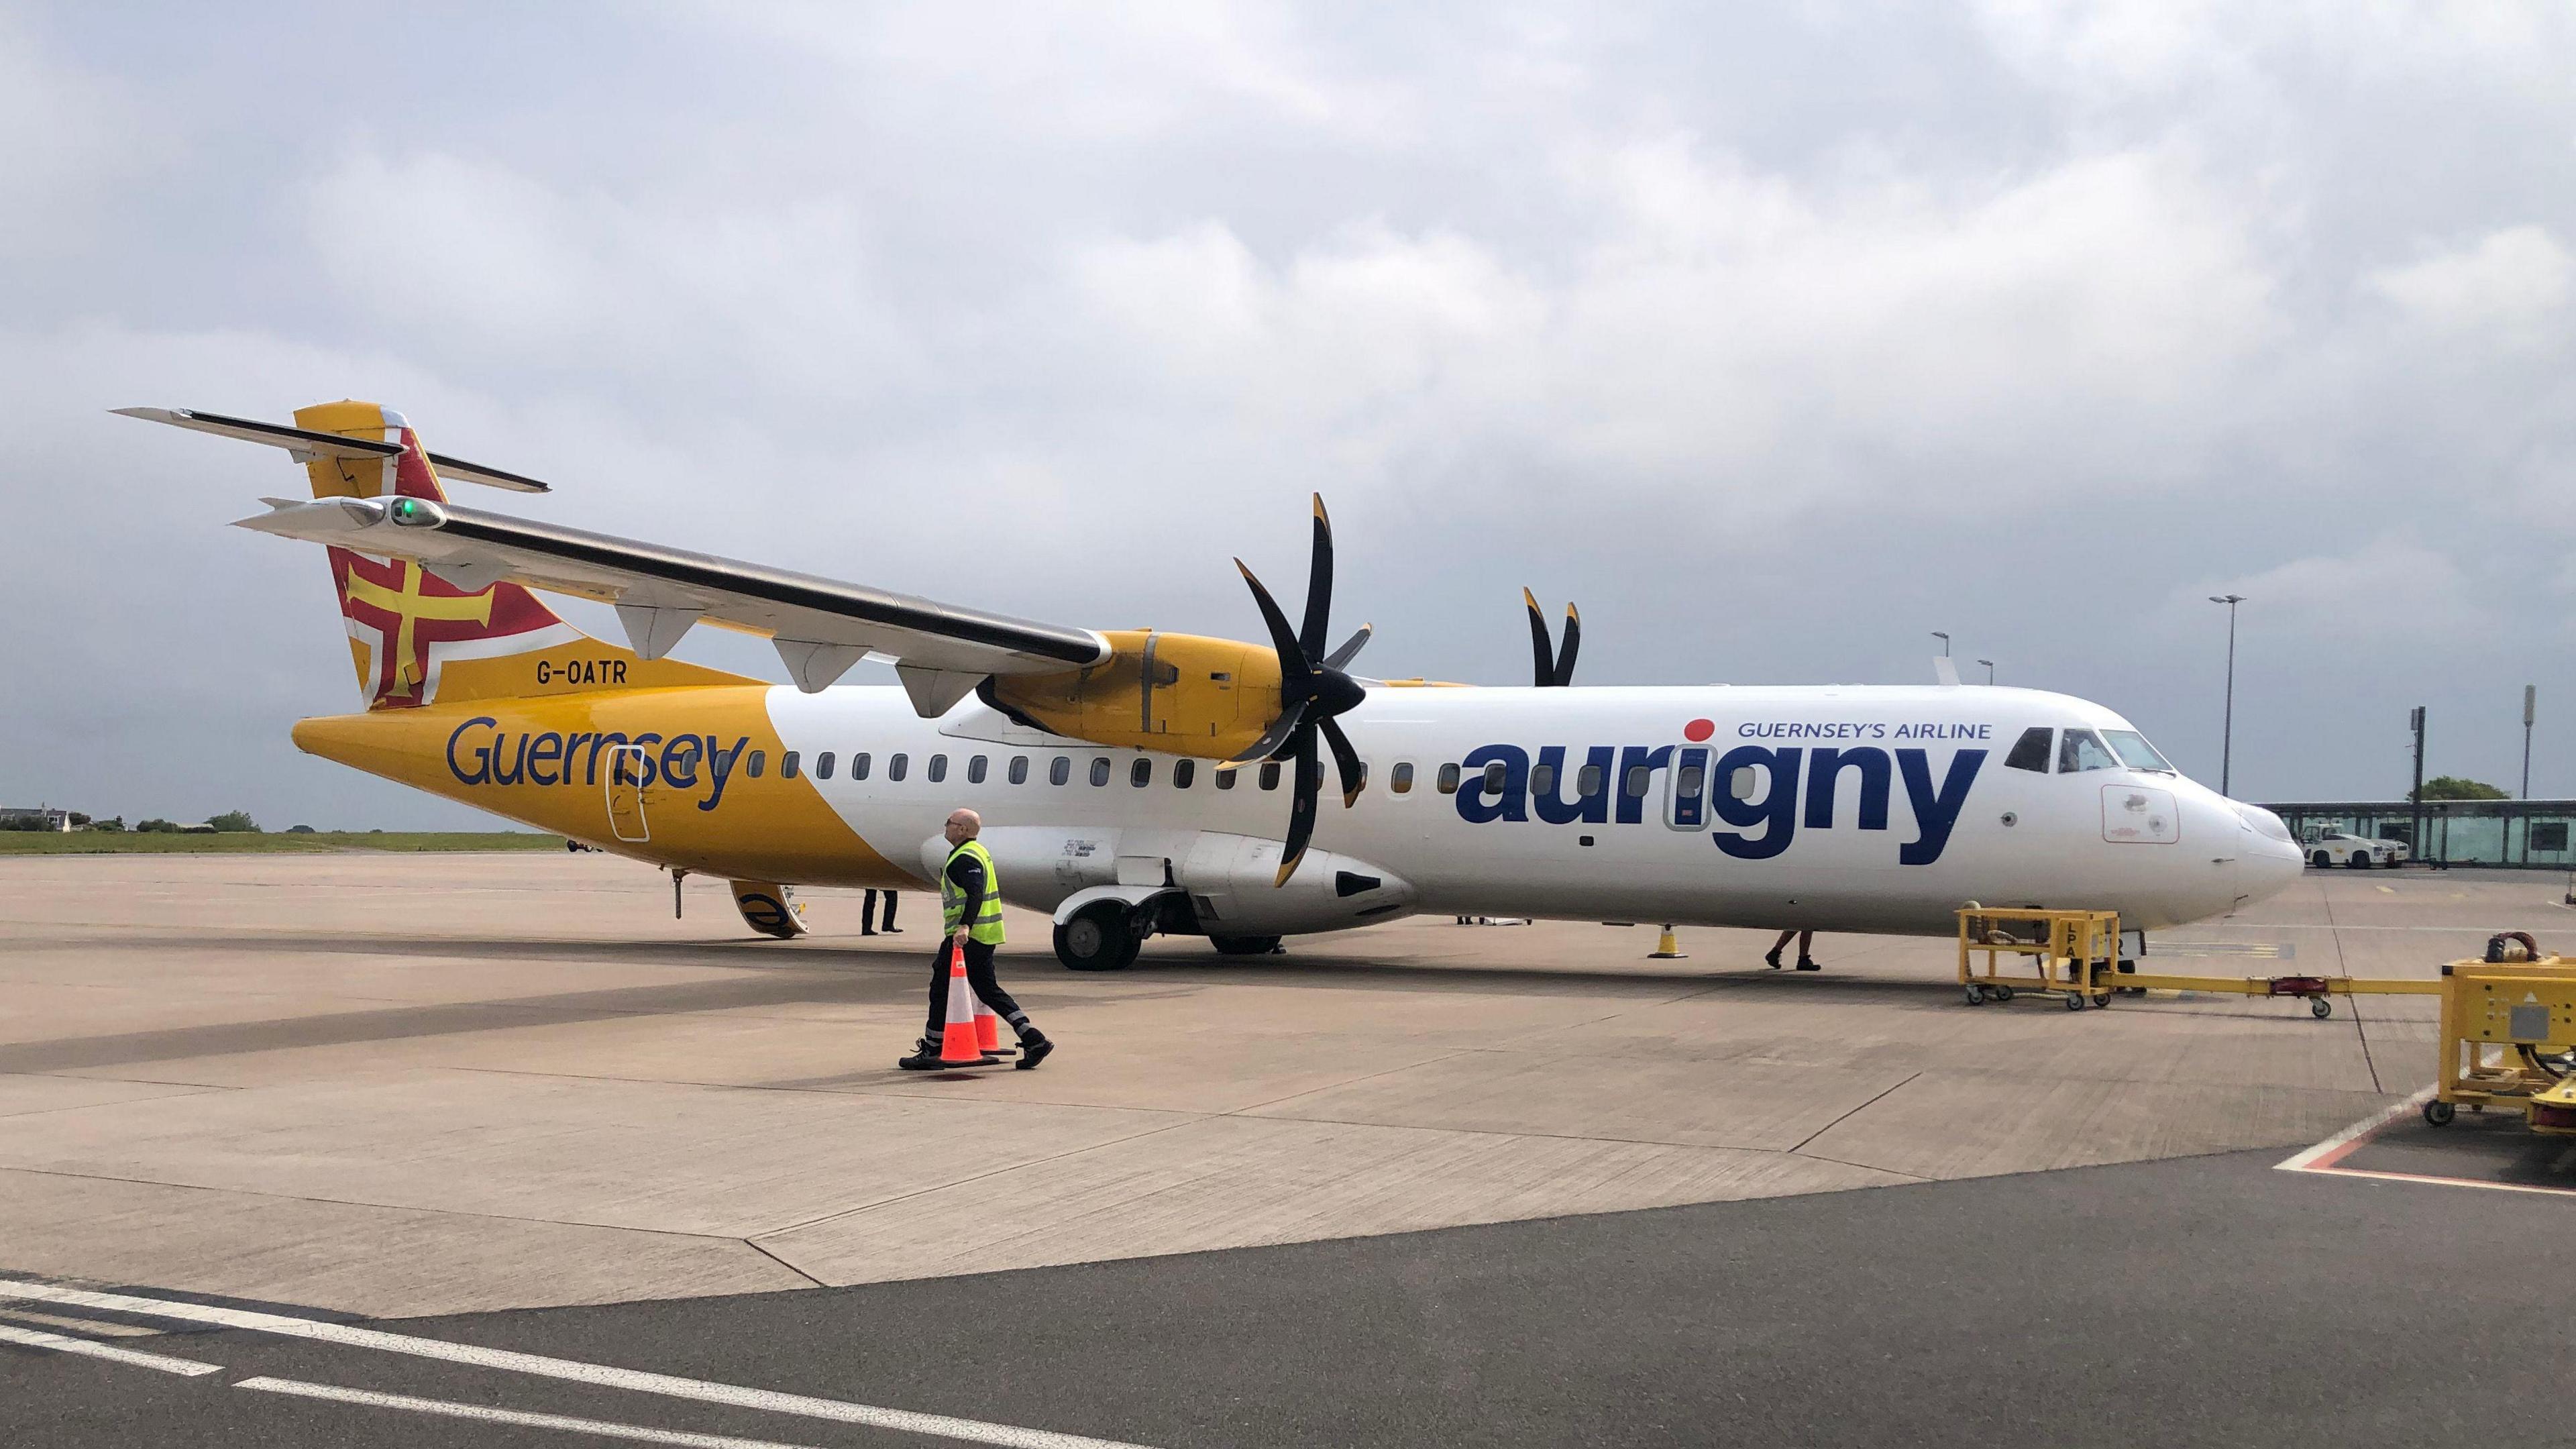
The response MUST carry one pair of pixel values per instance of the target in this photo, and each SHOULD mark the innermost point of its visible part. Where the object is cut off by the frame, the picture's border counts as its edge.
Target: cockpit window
(2030, 752)
(2135, 752)
(2083, 750)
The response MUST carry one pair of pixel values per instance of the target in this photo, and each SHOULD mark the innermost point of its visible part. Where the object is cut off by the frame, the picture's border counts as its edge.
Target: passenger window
(759, 762)
(938, 768)
(1100, 769)
(1497, 775)
(1019, 769)
(895, 765)
(1692, 780)
(1060, 771)
(787, 765)
(1587, 781)
(859, 765)
(1270, 775)
(1542, 779)
(1400, 779)
(1183, 772)
(823, 765)
(1448, 780)
(2030, 752)
(1638, 776)
(1740, 784)
(975, 770)
(2083, 750)
(1141, 773)
(1225, 779)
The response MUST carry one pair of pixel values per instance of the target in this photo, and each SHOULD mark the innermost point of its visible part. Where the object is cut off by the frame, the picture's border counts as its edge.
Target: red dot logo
(1698, 730)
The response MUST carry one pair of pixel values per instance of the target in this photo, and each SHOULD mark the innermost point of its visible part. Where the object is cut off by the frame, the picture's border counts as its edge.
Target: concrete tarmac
(408, 1086)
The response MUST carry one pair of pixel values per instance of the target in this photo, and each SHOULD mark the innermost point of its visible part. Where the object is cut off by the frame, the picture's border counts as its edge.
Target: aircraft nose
(2268, 857)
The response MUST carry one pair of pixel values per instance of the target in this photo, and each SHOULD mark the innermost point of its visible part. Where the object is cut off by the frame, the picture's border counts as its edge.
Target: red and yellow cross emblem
(409, 605)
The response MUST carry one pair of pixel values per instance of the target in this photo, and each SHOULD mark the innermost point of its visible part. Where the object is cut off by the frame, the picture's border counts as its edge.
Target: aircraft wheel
(1244, 945)
(1098, 938)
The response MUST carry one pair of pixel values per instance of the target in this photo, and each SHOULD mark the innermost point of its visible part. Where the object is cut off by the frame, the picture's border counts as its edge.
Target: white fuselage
(1922, 813)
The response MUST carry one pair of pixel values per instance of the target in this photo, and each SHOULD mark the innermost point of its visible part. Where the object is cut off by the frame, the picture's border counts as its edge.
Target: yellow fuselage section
(704, 765)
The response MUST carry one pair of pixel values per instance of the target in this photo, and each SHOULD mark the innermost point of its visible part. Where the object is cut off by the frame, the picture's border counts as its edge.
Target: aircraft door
(627, 766)
(1687, 806)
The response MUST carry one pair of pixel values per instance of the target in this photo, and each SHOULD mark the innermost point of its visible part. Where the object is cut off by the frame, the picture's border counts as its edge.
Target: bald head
(963, 826)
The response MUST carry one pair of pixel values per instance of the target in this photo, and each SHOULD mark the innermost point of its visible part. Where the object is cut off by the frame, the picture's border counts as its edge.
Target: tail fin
(415, 637)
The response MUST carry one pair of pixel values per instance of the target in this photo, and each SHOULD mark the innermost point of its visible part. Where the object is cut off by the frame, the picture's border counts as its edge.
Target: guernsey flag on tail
(405, 623)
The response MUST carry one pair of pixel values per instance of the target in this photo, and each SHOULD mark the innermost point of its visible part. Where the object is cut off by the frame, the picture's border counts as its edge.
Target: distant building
(2533, 834)
(34, 817)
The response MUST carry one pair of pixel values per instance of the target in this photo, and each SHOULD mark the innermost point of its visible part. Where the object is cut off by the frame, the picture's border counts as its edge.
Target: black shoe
(1033, 1050)
(893, 931)
(1773, 957)
(924, 1061)
(867, 930)
(1808, 964)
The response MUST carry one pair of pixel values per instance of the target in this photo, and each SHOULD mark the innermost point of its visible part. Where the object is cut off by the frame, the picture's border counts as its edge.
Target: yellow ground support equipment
(2508, 1039)
(2067, 954)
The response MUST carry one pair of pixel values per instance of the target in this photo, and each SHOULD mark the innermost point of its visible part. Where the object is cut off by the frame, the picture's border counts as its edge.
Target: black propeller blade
(1557, 672)
(1312, 689)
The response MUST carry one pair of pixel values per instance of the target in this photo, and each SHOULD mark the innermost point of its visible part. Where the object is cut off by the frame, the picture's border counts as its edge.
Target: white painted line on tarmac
(61, 1343)
(486, 1414)
(2306, 1158)
(943, 1426)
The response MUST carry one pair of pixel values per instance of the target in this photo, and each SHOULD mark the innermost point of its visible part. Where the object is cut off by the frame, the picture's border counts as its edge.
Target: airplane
(1141, 782)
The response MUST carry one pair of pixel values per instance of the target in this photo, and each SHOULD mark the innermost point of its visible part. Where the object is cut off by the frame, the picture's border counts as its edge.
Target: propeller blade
(1301, 804)
(1350, 648)
(1346, 763)
(1319, 586)
(1542, 665)
(1565, 651)
(1272, 739)
(1296, 680)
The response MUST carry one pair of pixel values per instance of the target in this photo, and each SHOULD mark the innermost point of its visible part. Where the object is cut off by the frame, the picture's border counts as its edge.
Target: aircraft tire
(1098, 938)
(1244, 945)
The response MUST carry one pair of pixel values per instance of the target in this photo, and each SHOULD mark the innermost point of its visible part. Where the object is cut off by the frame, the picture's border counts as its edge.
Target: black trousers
(979, 979)
(868, 911)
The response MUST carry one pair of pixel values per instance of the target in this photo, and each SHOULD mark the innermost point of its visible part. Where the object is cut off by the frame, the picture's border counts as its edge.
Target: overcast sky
(1776, 338)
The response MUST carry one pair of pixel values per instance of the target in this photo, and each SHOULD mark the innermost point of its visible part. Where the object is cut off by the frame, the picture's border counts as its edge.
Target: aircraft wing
(820, 626)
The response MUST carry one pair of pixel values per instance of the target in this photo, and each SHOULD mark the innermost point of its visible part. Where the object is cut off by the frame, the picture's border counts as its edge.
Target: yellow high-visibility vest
(987, 925)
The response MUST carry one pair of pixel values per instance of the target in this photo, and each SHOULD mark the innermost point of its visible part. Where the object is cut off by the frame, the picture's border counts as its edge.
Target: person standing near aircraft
(970, 906)
(1805, 939)
(868, 914)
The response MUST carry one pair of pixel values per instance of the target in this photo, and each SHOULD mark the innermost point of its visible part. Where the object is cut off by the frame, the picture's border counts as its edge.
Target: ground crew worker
(868, 915)
(970, 905)
(1805, 939)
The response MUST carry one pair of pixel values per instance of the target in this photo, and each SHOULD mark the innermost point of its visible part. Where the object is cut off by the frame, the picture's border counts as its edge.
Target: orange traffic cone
(957, 1040)
(988, 1027)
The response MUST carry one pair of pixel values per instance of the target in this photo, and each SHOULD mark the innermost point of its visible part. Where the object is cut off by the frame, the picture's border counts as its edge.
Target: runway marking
(2323, 1158)
(77, 1325)
(941, 1426)
(59, 1343)
(445, 1408)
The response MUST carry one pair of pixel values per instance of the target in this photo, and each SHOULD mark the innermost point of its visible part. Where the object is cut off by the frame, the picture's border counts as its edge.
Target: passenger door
(626, 768)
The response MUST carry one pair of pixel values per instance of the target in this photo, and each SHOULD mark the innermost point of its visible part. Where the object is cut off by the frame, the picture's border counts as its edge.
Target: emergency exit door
(626, 770)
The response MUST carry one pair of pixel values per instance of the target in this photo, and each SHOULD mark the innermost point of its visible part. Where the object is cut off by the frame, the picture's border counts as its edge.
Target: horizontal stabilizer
(306, 444)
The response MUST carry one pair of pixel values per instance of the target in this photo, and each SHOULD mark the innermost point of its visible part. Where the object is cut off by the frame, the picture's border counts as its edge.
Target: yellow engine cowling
(1178, 693)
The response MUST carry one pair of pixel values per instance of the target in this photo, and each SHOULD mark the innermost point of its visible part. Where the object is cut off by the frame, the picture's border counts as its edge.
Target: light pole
(2227, 730)
(2530, 699)
(1945, 642)
(1990, 669)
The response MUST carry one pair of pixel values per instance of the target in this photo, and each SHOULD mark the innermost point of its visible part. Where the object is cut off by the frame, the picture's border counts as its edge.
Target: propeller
(1312, 690)
(1559, 671)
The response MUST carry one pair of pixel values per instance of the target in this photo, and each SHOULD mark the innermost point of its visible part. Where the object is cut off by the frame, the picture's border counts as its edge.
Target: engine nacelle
(1178, 693)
